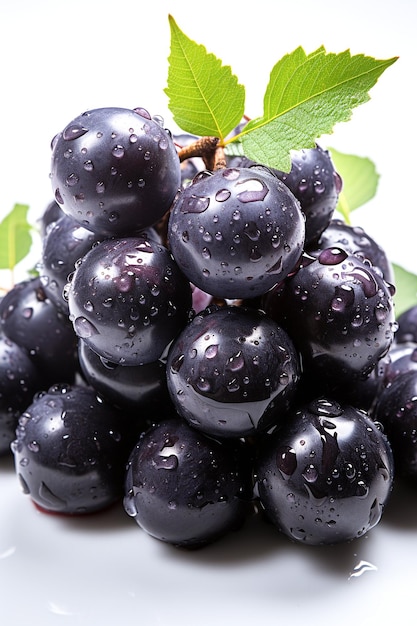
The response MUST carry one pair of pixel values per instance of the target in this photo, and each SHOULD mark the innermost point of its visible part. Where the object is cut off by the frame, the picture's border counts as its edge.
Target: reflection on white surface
(361, 568)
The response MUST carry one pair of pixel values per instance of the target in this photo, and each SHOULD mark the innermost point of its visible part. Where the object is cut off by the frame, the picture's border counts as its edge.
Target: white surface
(60, 58)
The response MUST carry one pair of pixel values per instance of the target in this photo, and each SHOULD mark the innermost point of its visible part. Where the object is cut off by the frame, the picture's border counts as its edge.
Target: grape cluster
(203, 345)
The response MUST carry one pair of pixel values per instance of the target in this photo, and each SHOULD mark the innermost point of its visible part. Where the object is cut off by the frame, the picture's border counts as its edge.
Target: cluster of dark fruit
(204, 344)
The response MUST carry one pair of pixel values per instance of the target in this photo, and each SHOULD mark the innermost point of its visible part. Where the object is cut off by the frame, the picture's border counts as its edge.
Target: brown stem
(202, 147)
(208, 149)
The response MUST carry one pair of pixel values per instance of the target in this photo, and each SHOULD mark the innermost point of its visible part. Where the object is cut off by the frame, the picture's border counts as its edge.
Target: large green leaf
(306, 96)
(360, 181)
(205, 98)
(406, 289)
(15, 237)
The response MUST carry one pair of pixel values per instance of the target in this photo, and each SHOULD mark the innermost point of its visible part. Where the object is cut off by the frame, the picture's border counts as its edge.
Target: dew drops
(72, 179)
(222, 195)
(118, 151)
(84, 328)
(286, 460)
(74, 131)
(211, 351)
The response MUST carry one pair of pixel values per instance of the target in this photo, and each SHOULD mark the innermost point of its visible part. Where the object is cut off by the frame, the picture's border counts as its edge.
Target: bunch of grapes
(203, 344)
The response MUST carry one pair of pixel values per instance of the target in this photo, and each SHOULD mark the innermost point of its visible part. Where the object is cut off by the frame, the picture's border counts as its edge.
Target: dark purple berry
(128, 300)
(396, 409)
(232, 372)
(65, 242)
(237, 232)
(354, 240)
(142, 387)
(185, 488)
(339, 313)
(116, 171)
(315, 182)
(71, 451)
(30, 319)
(407, 325)
(19, 380)
(325, 475)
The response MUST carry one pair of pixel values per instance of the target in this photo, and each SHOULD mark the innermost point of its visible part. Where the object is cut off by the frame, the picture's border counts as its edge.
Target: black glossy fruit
(116, 171)
(19, 381)
(30, 319)
(315, 182)
(354, 240)
(128, 300)
(71, 450)
(142, 387)
(232, 372)
(407, 325)
(340, 315)
(397, 411)
(325, 476)
(237, 232)
(401, 358)
(185, 488)
(65, 242)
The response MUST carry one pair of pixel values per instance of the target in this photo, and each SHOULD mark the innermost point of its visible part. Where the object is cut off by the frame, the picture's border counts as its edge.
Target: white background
(59, 58)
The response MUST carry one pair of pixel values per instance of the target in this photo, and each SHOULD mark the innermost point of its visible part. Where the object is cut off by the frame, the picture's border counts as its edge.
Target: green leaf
(15, 237)
(306, 96)
(406, 289)
(360, 181)
(205, 98)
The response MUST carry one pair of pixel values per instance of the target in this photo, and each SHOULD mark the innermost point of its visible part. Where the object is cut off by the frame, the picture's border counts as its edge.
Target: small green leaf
(406, 289)
(360, 181)
(306, 96)
(205, 98)
(15, 237)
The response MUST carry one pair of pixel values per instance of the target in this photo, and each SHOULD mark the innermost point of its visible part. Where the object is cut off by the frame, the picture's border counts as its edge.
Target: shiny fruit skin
(114, 170)
(325, 476)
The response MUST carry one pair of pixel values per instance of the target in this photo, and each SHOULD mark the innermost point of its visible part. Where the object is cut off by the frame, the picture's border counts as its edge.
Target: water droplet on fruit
(211, 351)
(325, 408)
(203, 384)
(255, 255)
(332, 256)
(88, 166)
(286, 460)
(113, 217)
(88, 305)
(344, 298)
(129, 504)
(233, 385)
(362, 489)
(365, 278)
(231, 173)
(222, 195)
(100, 187)
(236, 362)
(251, 190)
(72, 179)
(125, 282)
(319, 186)
(142, 112)
(74, 131)
(381, 312)
(195, 204)
(118, 151)
(302, 185)
(84, 328)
